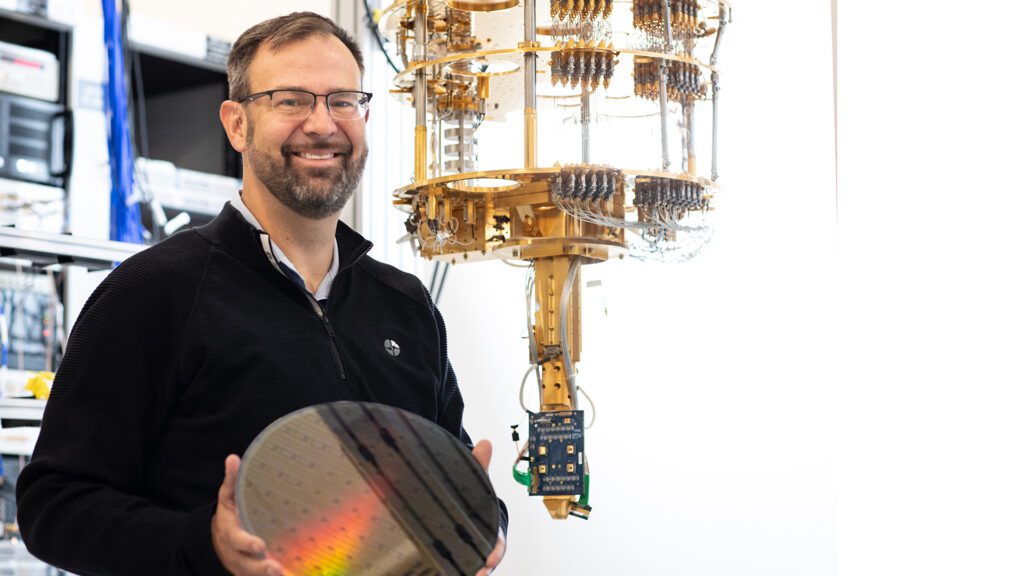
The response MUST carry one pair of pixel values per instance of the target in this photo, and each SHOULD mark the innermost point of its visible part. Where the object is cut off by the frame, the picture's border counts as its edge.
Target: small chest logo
(392, 347)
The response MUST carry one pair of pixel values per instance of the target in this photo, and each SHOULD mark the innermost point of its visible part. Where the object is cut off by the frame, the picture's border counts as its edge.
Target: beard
(313, 193)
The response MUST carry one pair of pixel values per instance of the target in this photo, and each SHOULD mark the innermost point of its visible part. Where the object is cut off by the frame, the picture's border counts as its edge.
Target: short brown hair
(278, 32)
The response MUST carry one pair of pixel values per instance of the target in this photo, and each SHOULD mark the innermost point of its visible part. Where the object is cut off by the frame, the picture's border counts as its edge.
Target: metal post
(663, 84)
(530, 84)
(714, 126)
(437, 142)
(663, 101)
(666, 20)
(420, 95)
(689, 153)
(724, 17)
(585, 124)
(462, 140)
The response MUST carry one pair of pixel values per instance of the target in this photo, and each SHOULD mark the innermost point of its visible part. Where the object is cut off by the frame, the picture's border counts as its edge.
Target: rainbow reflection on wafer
(330, 550)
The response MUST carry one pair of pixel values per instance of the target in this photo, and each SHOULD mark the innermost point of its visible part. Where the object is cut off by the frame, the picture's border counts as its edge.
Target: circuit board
(556, 453)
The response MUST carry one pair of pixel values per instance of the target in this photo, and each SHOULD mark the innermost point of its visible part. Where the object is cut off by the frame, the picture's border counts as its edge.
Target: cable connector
(579, 511)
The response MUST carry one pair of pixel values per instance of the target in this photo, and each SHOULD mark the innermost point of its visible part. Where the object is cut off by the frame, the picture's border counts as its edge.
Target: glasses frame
(363, 102)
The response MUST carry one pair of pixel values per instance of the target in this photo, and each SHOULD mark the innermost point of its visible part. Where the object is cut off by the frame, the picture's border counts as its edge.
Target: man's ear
(366, 119)
(234, 119)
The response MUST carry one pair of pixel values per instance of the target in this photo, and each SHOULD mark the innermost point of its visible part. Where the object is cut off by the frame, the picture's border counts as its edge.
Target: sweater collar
(281, 259)
(236, 236)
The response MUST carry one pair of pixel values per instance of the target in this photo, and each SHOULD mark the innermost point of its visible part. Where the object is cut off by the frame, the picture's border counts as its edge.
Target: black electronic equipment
(35, 140)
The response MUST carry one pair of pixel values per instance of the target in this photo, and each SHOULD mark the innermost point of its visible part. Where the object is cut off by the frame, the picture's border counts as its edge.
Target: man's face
(313, 165)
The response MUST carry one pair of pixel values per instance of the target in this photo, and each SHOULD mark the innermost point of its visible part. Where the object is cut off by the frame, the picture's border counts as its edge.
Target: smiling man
(190, 348)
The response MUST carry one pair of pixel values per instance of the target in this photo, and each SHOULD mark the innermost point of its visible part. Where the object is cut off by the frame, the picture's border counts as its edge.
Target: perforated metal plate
(357, 488)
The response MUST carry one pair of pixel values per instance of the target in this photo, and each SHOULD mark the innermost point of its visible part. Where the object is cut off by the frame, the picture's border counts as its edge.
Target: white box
(29, 72)
(30, 206)
(205, 193)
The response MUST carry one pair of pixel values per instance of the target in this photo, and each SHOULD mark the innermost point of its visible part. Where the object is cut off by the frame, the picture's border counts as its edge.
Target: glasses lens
(292, 102)
(346, 104)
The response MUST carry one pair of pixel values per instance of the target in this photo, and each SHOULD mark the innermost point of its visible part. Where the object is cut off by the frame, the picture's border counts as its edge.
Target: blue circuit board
(556, 453)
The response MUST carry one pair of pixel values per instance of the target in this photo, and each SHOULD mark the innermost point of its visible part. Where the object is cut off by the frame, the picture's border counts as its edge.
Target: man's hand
(239, 551)
(482, 453)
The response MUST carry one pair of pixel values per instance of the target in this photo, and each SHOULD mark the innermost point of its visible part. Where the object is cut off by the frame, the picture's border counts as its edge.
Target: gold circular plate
(483, 67)
(590, 249)
(481, 185)
(482, 5)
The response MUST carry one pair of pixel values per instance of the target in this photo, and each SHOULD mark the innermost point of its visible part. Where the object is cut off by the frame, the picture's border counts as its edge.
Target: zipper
(324, 320)
(330, 332)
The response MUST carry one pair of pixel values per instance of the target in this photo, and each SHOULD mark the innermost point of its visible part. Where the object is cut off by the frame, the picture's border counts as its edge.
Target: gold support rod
(420, 168)
(530, 84)
(688, 103)
(551, 275)
(530, 138)
(420, 95)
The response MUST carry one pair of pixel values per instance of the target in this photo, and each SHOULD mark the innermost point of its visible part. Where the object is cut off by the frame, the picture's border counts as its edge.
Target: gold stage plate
(483, 66)
(483, 185)
(513, 178)
(482, 5)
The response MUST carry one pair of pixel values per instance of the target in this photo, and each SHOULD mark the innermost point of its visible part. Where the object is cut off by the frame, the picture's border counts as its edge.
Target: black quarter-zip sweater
(182, 356)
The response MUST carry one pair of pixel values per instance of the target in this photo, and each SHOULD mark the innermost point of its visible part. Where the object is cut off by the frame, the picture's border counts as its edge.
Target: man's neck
(308, 244)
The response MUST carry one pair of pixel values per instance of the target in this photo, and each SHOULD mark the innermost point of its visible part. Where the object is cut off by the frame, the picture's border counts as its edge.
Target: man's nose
(320, 120)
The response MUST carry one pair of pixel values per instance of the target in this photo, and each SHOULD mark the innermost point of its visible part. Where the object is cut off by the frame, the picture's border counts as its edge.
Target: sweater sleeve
(450, 404)
(81, 503)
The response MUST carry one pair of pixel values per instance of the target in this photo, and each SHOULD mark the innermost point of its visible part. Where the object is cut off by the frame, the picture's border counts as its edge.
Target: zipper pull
(327, 324)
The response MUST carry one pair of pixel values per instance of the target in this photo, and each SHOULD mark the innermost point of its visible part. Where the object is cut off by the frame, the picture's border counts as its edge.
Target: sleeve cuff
(503, 516)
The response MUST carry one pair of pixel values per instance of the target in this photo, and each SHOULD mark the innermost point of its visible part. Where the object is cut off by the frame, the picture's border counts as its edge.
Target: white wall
(224, 19)
(930, 209)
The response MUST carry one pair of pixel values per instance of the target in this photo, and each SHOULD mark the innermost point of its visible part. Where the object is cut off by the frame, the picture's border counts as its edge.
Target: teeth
(309, 156)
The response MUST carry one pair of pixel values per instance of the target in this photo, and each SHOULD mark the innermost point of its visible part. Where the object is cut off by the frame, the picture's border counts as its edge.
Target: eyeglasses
(299, 104)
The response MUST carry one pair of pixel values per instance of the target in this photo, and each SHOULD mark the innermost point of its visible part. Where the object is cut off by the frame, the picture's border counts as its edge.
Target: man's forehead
(322, 57)
(318, 39)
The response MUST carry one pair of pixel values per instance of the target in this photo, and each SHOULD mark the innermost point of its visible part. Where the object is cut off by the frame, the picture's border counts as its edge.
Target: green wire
(521, 477)
(524, 479)
(585, 498)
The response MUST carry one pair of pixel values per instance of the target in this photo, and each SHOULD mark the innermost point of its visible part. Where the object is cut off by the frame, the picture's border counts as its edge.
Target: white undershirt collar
(325, 284)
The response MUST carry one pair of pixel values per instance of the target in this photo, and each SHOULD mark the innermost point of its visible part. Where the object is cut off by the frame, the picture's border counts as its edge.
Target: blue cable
(125, 216)
(4, 338)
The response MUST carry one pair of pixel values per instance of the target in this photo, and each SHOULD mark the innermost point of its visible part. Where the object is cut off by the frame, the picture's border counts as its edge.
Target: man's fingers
(253, 565)
(243, 542)
(499, 551)
(494, 558)
(232, 534)
(482, 453)
(234, 538)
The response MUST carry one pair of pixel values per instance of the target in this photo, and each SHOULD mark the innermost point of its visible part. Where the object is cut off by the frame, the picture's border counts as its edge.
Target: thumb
(227, 488)
(482, 453)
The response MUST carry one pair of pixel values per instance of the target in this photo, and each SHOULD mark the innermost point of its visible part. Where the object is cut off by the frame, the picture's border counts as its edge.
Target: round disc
(367, 489)
(482, 5)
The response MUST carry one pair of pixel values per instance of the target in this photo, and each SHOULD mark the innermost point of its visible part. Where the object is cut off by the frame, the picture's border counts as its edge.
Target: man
(190, 348)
